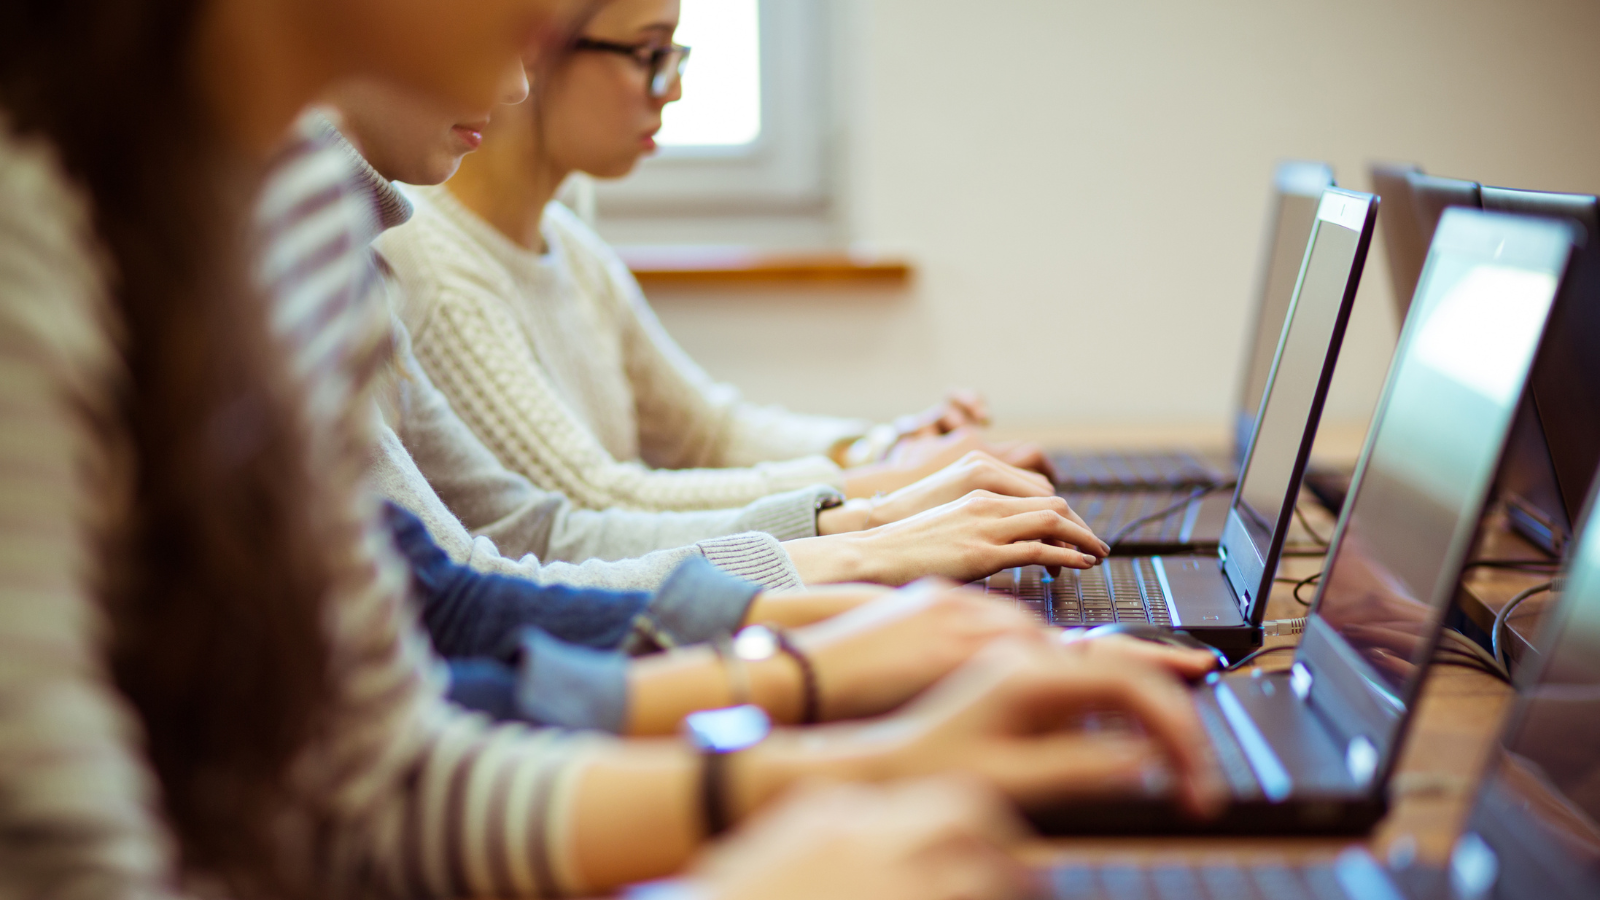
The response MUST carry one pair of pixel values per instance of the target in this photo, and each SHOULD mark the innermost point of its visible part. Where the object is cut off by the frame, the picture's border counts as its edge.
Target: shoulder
(594, 264)
(53, 274)
(437, 260)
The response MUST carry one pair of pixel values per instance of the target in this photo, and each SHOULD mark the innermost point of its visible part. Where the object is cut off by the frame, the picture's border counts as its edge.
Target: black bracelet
(811, 693)
(713, 790)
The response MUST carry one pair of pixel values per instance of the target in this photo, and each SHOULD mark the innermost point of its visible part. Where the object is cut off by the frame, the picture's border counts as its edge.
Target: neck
(510, 180)
(258, 72)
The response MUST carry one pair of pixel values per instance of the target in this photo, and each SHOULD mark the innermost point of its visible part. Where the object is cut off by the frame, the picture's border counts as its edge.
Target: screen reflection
(1293, 387)
(1446, 415)
(1549, 767)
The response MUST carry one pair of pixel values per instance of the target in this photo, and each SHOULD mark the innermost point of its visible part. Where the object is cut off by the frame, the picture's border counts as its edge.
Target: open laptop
(1222, 598)
(1556, 446)
(1311, 749)
(1297, 189)
(1191, 518)
(1533, 832)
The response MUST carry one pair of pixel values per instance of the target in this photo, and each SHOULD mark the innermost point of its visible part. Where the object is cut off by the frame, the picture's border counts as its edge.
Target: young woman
(963, 522)
(196, 569)
(543, 342)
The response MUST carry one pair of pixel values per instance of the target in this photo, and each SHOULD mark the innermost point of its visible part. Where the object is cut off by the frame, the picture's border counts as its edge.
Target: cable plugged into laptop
(1284, 627)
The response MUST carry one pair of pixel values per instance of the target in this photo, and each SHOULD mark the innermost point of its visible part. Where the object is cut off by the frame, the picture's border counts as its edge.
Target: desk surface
(1456, 724)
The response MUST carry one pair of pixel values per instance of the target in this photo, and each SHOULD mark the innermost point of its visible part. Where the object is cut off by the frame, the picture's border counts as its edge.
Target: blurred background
(1080, 188)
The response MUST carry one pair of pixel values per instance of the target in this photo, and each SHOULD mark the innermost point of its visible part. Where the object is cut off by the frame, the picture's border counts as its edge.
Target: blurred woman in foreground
(212, 682)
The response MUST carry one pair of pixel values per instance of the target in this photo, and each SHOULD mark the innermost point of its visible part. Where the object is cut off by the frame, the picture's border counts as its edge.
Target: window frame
(785, 170)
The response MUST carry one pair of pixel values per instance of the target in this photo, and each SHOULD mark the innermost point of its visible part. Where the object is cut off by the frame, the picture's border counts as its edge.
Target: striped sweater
(406, 795)
(558, 364)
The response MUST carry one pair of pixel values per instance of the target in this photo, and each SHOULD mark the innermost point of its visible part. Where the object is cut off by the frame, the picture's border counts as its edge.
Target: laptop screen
(1298, 191)
(1536, 827)
(1431, 455)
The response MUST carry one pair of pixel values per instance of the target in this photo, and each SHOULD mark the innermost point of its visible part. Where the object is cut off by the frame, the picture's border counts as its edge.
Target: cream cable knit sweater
(558, 364)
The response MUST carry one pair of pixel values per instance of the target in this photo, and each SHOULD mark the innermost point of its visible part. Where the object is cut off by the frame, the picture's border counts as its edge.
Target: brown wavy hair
(212, 577)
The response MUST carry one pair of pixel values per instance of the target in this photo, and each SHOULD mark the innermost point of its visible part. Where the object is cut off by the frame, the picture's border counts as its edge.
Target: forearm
(835, 559)
(666, 687)
(636, 811)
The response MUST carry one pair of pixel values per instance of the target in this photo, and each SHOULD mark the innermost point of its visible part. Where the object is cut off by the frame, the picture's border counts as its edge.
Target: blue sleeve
(471, 614)
(550, 683)
(697, 602)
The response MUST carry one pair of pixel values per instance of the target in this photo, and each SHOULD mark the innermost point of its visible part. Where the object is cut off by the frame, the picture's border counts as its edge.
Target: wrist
(835, 559)
(777, 687)
(853, 515)
(791, 756)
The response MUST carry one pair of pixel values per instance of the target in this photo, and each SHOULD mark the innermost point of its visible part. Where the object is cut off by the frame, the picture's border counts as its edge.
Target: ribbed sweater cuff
(790, 516)
(789, 474)
(754, 557)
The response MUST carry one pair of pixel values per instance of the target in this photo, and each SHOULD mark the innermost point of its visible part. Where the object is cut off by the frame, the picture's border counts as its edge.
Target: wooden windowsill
(657, 266)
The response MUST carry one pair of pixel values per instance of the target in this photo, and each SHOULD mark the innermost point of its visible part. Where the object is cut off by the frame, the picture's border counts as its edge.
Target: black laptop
(1297, 189)
(1222, 598)
(1533, 832)
(1310, 749)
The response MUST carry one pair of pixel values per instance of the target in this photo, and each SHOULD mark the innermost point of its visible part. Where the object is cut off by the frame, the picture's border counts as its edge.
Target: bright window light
(721, 105)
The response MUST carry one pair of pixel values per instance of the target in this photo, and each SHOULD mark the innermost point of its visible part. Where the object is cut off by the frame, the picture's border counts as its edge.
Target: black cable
(1160, 514)
(1305, 523)
(1259, 653)
(1303, 583)
(1467, 661)
(1504, 615)
(1516, 565)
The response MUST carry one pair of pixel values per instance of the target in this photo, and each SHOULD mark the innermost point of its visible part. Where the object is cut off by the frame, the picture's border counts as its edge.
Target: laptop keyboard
(1124, 470)
(1108, 512)
(1120, 589)
(1207, 881)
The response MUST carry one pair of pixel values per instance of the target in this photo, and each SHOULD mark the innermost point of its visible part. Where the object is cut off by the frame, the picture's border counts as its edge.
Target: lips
(471, 135)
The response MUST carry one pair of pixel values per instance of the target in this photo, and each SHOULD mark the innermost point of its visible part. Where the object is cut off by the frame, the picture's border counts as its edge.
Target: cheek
(456, 51)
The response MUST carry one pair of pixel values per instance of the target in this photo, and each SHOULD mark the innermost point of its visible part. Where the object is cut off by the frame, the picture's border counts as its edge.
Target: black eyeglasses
(664, 65)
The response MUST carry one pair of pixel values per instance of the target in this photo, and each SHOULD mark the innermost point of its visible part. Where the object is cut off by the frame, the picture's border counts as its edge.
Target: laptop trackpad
(1200, 592)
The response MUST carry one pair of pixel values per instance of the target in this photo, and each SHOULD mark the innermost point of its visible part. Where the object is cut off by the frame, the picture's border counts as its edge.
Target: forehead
(628, 18)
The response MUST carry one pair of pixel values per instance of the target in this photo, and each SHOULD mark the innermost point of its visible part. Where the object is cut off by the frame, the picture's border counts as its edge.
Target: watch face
(728, 730)
(755, 643)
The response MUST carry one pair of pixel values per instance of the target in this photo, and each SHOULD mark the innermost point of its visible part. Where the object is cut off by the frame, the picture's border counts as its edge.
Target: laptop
(1556, 445)
(1310, 749)
(1297, 189)
(1533, 832)
(1221, 598)
(1190, 517)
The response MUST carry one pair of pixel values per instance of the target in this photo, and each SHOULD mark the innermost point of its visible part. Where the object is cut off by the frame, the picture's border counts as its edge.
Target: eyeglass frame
(660, 78)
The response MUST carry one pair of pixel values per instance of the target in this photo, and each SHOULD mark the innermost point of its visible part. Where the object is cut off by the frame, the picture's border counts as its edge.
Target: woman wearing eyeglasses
(544, 343)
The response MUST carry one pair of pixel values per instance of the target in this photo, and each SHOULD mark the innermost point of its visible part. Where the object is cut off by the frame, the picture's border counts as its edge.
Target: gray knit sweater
(428, 461)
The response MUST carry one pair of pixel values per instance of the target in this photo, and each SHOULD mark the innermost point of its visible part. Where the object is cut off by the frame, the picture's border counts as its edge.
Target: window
(721, 105)
(750, 135)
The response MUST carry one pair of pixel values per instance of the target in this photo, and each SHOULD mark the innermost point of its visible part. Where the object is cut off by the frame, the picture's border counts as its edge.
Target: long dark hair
(213, 579)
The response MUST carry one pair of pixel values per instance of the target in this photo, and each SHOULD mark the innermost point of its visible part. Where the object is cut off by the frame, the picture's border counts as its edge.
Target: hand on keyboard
(937, 840)
(1185, 662)
(1005, 717)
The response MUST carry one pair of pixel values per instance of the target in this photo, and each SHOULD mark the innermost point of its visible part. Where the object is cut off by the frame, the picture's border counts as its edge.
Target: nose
(514, 86)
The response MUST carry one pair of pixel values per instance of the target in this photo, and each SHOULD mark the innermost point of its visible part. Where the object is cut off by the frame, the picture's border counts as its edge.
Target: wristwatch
(760, 642)
(717, 734)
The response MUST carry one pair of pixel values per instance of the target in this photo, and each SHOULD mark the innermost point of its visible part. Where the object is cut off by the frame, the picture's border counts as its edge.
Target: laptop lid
(1297, 386)
(1431, 195)
(1297, 192)
(1405, 248)
(1534, 831)
(1556, 446)
(1425, 474)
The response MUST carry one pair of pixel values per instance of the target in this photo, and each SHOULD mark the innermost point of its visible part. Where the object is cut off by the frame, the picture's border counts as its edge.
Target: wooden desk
(1456, 723)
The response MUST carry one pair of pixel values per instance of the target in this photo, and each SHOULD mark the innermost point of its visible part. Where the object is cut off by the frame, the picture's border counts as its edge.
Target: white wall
(1083, 186)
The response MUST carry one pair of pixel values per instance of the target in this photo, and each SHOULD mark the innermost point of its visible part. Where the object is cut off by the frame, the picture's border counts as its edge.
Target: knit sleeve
(432, 464)
(77, 803)
(687, 419)
(476, 355)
